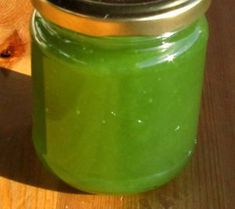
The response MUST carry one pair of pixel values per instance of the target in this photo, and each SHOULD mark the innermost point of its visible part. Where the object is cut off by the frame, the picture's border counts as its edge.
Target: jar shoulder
(71, 46)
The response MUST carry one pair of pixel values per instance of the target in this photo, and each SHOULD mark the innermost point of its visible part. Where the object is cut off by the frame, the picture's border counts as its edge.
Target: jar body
(116, 114)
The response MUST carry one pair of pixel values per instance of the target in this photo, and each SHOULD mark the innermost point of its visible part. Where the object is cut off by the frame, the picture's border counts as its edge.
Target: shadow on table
(18, 161)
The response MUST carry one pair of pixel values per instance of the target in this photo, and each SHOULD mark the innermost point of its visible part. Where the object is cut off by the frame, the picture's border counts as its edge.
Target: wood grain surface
(208, 182)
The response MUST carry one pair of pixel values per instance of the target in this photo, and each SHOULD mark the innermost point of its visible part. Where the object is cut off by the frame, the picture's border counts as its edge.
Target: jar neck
(63, 42)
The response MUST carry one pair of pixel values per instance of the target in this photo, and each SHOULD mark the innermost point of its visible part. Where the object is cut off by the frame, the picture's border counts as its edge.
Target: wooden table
(208, 182)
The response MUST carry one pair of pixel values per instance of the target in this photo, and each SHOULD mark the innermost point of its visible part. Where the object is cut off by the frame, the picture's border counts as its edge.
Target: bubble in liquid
(144, 92)
(189, 152)
(177, 128)
(67, 41)
(139, 121)
(113, 113)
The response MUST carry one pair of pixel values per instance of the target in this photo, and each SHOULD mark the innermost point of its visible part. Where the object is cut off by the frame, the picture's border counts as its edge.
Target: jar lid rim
(102, 18)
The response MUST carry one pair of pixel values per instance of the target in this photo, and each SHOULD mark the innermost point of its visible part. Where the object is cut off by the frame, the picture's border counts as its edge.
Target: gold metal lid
(121, 17)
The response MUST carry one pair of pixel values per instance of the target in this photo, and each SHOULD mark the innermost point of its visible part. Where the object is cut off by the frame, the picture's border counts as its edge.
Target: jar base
(120, 187)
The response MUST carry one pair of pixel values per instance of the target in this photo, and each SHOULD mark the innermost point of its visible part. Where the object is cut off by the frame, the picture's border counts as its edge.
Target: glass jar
(116, 92)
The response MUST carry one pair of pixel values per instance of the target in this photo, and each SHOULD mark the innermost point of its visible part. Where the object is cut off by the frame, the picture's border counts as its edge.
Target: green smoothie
(116, 114)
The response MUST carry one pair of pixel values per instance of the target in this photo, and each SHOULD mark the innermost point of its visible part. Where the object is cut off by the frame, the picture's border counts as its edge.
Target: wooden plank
(206, 183)
(14, 34)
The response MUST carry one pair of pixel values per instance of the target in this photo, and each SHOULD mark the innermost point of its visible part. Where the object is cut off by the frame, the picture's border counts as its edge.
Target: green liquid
(116, 115)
